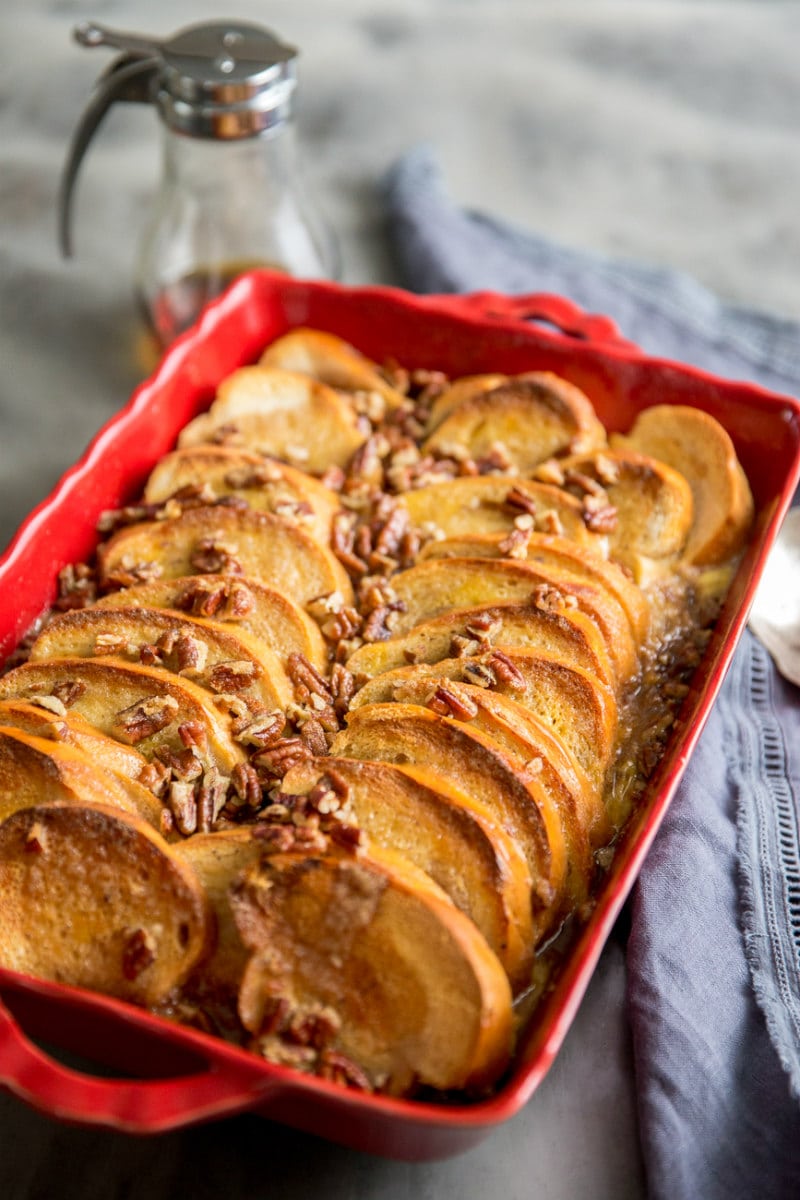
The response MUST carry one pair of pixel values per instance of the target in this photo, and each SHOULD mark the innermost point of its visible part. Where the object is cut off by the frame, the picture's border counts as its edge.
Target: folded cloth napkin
(714, 949)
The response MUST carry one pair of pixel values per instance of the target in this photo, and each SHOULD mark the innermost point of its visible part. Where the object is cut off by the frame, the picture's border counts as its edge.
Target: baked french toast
(282, 414)
(353, 705)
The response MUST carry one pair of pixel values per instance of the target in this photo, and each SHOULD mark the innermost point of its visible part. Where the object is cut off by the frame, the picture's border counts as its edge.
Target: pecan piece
(448, 702)
(304, 675)
(233, 676)
(505, 671)
(68, 691)
(182, 805)
(143, 718)
(262, 730)
(246, 785)
(215, 558)
(274, 761)
(138, 954)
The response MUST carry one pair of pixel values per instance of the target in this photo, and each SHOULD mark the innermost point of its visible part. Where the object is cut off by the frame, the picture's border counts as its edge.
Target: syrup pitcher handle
(129, 78)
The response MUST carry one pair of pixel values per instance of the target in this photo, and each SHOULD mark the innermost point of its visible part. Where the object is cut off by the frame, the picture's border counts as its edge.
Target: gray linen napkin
(714, 948)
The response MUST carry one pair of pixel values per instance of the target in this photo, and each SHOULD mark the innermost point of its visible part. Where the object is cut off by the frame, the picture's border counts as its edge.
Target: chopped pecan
(77, 587)
(210, 799)
(505, 670)
(344, 624)
(138, 954)
(313, 734)
(149, 655)
(463, 647)
(303, 674)
(190, 653)
(155, 776)
(376, 627)
(481, 674)
(343, 541)
(333, 478)
(51, 703)
(518, 500)
(550, 471)
(262, 730)
(68, 691)
(448, 702)
(110, 643)
(580, 482)
(340, 1069)
(274, 761)
(343, 688)
(215, 558)
(599, 518)
(315, 1027)
(143, 718)
(183, 764)
(183, 806)
(246, 785)
(278, 838)
(194, 736)
(129, 574)
(515, 544)
(233, 676)
(36, 839)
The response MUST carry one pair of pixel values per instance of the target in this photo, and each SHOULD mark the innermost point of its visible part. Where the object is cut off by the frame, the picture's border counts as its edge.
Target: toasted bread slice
(652, 503)
(52, 720)
(523, 736)
(207, 652)
(460, 389)
(331, 360)
(408, 734)
(217, 859)
(448, 585)
(211, 540)
(450, 836)
(238, 602)
(141, 706)
(93, 897)
(532, 417)
(408, 989)
(581, 562)
(280, 413)
(549, 625)
(522, 733)
(35, 770)
(492, 504)
(580, 709)
(696, 445)
(264, 484)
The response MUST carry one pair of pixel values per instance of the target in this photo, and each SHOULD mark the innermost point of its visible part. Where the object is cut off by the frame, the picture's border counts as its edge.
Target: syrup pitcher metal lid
(221, 79)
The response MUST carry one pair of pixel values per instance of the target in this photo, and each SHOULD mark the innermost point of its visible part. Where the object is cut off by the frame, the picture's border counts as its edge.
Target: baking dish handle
(546, 309)
(129, 1105)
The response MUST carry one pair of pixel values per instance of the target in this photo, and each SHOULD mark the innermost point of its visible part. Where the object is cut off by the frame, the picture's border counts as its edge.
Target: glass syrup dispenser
(230, 197)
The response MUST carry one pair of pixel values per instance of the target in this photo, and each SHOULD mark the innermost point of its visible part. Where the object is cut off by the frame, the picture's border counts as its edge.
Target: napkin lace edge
(768, 857)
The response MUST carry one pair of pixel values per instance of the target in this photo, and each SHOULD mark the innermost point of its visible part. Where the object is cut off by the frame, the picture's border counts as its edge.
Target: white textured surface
(666, 131)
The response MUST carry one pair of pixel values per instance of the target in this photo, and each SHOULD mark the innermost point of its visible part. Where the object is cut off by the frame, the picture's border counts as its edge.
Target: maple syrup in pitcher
(231, 196)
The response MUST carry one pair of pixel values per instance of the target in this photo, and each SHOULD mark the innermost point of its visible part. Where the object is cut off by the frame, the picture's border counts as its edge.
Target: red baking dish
(174, 1076)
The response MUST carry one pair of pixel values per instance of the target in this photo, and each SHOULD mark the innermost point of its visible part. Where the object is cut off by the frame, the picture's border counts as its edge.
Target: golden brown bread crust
(408, 734)
(402, 982)
(35, 770)
(52, 720)
(486, 504)
(550, 626)
(331, 360)
(696, 445)
(449, 835)
(263, 484)
(651, 501)
(579, 709)
(278, 552)
(280, 413)
(524, 736)
(532, 416)
(93, 897)
(142, 706)
(453, 584)
(547, 551)
(237, 601)
(207, 652)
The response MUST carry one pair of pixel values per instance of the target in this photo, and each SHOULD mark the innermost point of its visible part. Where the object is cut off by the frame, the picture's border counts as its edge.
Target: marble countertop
(664, 130)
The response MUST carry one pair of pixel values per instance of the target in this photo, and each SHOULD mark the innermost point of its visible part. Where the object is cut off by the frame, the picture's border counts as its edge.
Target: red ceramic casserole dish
(182, 1076)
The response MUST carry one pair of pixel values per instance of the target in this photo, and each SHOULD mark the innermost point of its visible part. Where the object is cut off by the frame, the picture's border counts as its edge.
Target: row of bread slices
(480, 772)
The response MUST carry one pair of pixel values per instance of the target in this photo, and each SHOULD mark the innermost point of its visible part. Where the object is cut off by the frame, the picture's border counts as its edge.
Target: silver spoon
(775, 615)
